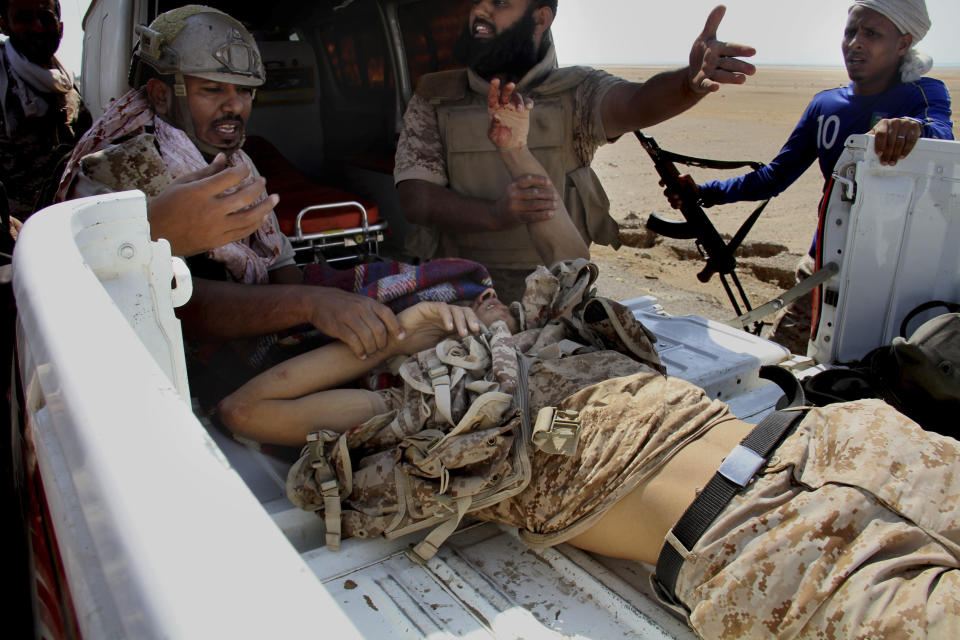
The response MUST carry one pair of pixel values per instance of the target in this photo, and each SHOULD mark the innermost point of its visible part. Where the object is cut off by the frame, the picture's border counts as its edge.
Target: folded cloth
(399, 285)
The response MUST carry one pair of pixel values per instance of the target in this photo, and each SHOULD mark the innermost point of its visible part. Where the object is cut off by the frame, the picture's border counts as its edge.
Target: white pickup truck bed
(485, 582)
(169, 528)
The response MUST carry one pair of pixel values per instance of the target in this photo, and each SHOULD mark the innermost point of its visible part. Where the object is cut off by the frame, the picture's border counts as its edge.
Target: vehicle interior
(325, 125)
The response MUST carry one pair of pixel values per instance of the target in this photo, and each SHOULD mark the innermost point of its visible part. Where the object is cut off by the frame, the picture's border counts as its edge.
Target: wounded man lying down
(839, 522)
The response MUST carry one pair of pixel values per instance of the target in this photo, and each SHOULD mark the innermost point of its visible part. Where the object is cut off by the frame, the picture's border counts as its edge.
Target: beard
(38, 49)
(509, 55)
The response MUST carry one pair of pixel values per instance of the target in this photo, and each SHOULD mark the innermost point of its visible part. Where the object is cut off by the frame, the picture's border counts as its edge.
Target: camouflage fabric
(833, 539)
(456, 437)
(136, 162)
(629, 426)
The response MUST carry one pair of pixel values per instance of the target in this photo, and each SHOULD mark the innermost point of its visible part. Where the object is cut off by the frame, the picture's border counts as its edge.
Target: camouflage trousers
(852, 530)
(630, 425)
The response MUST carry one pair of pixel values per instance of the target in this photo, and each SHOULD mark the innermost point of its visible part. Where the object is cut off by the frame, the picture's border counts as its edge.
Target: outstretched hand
(713, 62)
(209, 208)
(426, 323)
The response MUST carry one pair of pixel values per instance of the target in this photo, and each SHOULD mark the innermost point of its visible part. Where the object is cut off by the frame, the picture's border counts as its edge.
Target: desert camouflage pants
(630, 426)
(852, 530)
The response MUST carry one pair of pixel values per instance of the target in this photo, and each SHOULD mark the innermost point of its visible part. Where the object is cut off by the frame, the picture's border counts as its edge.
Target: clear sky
(803, 32)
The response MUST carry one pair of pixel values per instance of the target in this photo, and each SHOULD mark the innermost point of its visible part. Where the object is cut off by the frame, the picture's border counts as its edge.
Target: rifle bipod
(718, 254)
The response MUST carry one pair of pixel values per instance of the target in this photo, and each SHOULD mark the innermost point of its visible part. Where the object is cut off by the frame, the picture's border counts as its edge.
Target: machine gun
(719, 254)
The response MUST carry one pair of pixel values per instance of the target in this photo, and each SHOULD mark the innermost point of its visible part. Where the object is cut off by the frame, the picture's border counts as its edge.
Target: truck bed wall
(160, 537)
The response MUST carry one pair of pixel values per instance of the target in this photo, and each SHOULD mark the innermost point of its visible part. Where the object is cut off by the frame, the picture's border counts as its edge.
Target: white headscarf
(38, 90)
(909, 16)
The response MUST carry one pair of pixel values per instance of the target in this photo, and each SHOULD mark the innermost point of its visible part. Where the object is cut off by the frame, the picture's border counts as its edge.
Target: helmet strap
(183, 120)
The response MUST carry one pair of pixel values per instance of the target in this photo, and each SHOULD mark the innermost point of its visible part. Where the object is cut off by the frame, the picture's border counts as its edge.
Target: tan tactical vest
(476, 170)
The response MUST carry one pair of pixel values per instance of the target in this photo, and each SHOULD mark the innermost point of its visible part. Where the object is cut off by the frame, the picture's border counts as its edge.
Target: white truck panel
(159, 536)
(170, 528)
(895, 241)
(107, 43)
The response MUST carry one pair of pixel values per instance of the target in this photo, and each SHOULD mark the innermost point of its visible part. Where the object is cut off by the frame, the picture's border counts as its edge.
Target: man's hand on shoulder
(713, 62)
(363, 324)
(894, 138)
(194, 214)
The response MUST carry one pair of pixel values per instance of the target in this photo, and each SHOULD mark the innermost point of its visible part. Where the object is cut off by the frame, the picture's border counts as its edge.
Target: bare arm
(556, 238)
(230, 310)
(632, 106)
(285, 403)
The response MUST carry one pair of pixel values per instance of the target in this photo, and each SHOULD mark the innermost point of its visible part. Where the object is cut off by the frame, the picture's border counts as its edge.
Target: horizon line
(677, 63)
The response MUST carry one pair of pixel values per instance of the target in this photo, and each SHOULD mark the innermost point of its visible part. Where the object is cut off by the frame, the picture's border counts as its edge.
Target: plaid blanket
(399, 285)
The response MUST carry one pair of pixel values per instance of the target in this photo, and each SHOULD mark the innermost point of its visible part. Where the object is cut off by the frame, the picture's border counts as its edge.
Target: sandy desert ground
(747, 122)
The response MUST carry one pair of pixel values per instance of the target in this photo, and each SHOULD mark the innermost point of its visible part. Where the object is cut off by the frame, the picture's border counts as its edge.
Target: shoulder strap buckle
(557, 431)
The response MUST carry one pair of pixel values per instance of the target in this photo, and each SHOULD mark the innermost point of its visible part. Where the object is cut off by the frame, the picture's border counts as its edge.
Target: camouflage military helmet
(199, 41)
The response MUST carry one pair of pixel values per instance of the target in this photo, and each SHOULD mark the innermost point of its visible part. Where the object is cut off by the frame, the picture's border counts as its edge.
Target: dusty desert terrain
(748, 122)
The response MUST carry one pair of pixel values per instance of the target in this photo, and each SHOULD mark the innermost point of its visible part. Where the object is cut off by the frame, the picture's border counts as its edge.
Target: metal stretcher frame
(366, 237)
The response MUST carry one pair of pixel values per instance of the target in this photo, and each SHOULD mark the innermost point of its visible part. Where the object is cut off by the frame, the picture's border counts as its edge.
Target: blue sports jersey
(830, 118)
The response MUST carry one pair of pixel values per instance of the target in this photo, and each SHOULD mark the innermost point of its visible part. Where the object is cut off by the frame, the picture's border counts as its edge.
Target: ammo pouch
(919, 377)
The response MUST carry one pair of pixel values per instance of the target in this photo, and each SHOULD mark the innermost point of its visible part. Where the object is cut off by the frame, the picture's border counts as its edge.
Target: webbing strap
(556, 350)
(706, 163)
(327, 480)
(429, 546)
(440, 381)
(725, 484)
(331, 513)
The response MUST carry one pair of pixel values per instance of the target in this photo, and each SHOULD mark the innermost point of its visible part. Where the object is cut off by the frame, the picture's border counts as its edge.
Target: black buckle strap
(792, 389)
(734, 473)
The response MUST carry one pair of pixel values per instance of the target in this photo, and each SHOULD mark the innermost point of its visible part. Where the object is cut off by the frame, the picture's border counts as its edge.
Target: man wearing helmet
(176, 136)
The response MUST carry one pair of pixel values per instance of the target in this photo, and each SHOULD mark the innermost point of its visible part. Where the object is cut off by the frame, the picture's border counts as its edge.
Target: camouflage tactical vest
(468, 413)
(476, 170)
